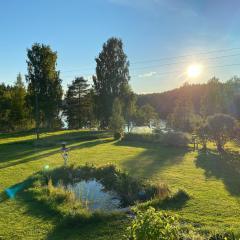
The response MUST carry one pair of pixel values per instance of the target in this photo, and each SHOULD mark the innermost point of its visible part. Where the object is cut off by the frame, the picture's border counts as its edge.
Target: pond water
(93, 194)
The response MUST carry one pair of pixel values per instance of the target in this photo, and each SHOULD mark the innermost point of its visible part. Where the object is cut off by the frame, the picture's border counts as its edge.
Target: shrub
(175, 201)
(221, 129)
(153, 225)
(176, 139)
(159, 225)
(117, 135)
(181, 195)
(145, 138)
(223, 236)
(173, 139)
(171, 201)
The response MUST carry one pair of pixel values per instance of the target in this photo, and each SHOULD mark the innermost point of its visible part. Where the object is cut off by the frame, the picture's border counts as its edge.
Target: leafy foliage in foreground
(157, 225)
(160, 225)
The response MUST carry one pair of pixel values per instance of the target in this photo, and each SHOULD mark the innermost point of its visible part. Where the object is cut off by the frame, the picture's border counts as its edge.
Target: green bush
(172, 139)
(181, 195)
(159, 225)
(223, 236)
(176, 139)
(143, 137)
(117, 135)
(166, 200)
(153, 225)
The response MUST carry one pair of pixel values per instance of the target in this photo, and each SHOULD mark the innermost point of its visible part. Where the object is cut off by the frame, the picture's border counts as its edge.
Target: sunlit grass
(212, 182)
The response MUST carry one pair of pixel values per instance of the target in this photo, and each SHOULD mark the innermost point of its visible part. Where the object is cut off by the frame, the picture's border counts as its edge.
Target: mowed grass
(213, 182)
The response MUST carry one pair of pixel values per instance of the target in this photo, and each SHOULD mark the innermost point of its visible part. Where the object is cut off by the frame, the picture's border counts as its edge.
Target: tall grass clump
(128, 188)
(57, 198)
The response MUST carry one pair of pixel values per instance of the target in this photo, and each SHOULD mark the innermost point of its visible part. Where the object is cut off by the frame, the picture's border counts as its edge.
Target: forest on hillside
(203, 99)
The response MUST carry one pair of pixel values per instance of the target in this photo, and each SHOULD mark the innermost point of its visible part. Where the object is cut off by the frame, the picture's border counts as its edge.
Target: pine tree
(5, 108)
(19, 116)
(78, 103)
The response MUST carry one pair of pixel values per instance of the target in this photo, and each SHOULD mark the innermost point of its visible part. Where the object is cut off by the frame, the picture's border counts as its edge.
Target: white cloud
(146, 75)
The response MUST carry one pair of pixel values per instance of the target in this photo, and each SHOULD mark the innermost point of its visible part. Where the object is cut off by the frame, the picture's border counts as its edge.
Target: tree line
(185, 107)
(42, 102)
(214, 96)
(109, 102)
(210, 111)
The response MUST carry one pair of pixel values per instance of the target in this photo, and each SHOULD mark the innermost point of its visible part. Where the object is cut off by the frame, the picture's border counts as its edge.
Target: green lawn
(212, 181)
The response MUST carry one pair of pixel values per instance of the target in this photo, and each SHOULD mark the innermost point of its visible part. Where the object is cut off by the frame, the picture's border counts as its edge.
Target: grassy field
(212, 181)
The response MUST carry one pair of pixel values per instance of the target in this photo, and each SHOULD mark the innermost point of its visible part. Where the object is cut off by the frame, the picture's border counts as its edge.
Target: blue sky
(152, 30)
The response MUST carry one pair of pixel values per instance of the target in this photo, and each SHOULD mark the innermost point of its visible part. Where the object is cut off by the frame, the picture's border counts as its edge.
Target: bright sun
(194, 70)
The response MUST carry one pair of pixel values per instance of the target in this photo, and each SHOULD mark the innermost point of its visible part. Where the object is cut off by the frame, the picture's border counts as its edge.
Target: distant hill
(164, 102)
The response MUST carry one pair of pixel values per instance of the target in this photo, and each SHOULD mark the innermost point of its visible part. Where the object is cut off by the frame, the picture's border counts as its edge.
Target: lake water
(92, 193)
(141, 130)
(146, 129)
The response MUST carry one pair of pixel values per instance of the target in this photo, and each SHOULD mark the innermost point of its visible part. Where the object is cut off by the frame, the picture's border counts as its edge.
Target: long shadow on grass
(175, 202)
(224, 166)
(25, 154)
(153, 159)
(37, 208)
(48, 138)
(19, 149)
(97, 227)
(16, 134)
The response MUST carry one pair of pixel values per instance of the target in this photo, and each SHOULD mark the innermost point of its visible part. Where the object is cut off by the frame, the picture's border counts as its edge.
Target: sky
(162, 38)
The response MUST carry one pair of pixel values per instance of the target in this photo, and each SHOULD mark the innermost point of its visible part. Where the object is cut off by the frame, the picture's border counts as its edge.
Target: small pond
(93, 194)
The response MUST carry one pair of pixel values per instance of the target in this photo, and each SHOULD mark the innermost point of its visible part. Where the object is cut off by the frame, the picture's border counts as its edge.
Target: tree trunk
(128, 126)
(204, 147)
(220, 147)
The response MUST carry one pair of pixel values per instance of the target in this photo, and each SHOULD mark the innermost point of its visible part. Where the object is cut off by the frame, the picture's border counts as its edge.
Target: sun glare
(194, 70)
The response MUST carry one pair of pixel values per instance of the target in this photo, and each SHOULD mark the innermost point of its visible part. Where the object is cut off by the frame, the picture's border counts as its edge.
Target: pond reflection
(93, 194)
